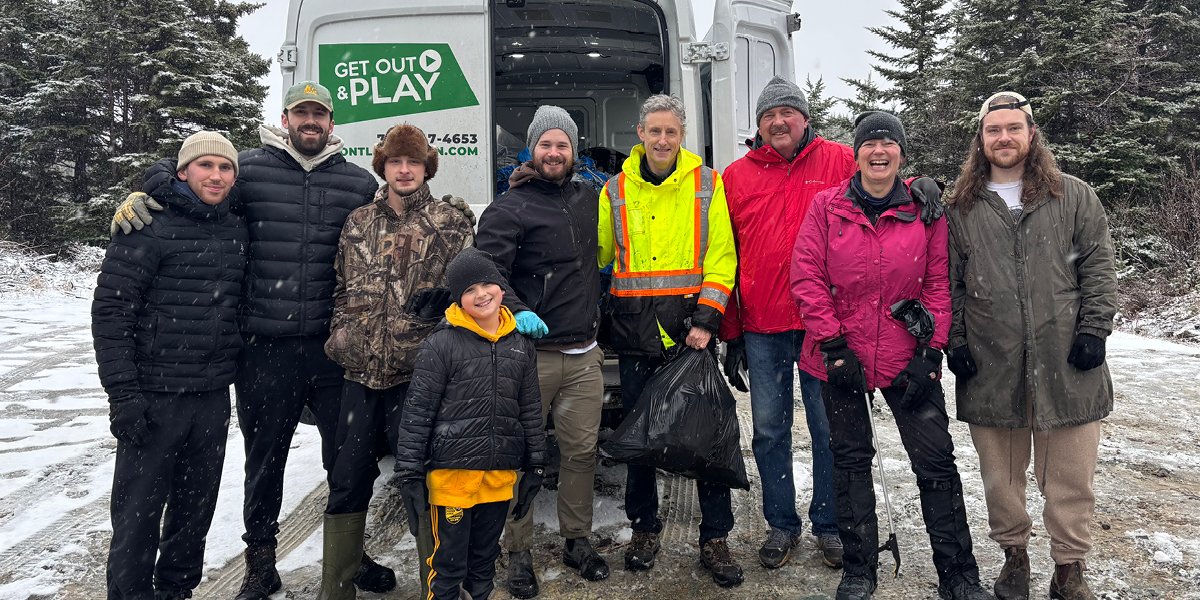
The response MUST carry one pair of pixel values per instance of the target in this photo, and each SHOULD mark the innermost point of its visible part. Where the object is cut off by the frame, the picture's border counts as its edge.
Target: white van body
(463, 70)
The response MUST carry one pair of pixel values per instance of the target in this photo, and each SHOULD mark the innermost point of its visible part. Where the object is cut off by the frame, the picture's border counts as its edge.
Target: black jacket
(164, 314)
(543, 238)
(472, 404)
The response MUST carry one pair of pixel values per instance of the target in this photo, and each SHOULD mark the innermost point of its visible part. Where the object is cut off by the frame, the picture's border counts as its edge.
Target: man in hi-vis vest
(665, 227)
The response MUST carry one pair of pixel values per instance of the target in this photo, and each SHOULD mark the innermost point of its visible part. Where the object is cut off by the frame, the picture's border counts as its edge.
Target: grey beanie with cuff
(550, 117)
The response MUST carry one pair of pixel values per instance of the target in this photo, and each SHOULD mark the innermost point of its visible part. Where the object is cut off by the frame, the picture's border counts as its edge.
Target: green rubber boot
(342, 554)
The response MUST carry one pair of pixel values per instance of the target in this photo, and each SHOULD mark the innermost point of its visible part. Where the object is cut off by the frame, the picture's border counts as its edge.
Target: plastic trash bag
(684, 423)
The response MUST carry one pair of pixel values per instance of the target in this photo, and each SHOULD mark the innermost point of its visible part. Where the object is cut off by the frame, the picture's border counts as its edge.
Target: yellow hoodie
(464, 488)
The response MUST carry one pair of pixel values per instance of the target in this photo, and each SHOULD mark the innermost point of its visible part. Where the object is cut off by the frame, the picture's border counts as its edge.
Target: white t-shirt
(579, 350)
(1010, 192)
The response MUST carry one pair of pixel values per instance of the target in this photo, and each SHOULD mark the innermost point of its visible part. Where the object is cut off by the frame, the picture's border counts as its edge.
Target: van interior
(598, 59)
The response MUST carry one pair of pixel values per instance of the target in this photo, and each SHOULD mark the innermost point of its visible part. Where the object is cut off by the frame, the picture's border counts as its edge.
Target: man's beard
(994, 158)
(540, 167)
(307, 148)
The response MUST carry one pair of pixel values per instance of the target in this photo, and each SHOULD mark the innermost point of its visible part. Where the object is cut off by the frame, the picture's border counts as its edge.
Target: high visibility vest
(630, 282)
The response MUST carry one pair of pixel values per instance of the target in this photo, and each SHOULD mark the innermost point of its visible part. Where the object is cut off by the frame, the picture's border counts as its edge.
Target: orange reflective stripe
(625, 242)
(716, 286)
(658, 273)
(655, 292)
(705, 301)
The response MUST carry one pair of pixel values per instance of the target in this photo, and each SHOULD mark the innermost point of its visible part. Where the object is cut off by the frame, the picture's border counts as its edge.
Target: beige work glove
(133, 213)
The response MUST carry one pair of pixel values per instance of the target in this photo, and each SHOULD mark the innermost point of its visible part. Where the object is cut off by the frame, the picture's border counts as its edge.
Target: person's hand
(698, 338)
(1087, 352)
(735, 363)
(462, 207)
(531, 325)
(842, 368)
(527, 489)
(428, 303)
(920, 378)
(133, 213)
(929, 193)
(414, 496)
(128, 422)
(961, 363)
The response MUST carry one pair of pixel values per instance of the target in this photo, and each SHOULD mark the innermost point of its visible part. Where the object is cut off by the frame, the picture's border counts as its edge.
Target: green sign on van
(377, 81)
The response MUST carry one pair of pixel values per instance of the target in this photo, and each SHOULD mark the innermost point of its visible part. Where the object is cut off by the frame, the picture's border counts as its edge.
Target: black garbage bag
(684, 423)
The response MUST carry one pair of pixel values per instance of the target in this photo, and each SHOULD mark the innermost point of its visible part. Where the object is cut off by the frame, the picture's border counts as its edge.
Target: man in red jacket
(769, 191)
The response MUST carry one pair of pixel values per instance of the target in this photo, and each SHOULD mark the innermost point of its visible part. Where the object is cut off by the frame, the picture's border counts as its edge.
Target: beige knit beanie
(203, 143)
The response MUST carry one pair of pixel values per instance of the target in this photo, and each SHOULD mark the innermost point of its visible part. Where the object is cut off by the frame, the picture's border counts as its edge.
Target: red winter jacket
(768, 198)
(847, 273)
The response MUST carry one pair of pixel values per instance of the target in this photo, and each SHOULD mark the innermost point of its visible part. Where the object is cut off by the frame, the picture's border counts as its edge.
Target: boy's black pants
(466, 544)
(176, 471)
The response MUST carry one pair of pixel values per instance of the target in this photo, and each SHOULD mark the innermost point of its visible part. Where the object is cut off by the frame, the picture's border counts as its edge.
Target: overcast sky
(832, 43)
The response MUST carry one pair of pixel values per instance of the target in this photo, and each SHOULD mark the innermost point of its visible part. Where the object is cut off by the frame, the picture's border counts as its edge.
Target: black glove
(127, 420)
(961, 363)
(428, 303)
(1087, 352)
(920, 378)
(928, 193)
(414, 496)
(842, 367)
(735, 363)
(529, 486)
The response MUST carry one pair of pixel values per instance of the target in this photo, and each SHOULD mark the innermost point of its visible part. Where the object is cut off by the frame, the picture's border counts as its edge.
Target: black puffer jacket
(472, 404)
(295, 219)
(164, 315)
(543, 238)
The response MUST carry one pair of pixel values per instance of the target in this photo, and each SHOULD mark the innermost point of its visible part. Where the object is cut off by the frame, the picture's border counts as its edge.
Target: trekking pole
(891, 543)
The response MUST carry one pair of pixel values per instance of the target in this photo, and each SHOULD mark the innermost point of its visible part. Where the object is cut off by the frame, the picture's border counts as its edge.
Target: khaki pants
(573, 391)
(1064, 465)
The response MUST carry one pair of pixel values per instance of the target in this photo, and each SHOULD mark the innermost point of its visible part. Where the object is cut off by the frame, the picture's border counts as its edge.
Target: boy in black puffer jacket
(164, 325)
(472, 418)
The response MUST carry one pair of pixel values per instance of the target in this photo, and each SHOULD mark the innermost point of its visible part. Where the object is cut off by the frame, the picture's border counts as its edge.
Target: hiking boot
(776, 551)
(830, 545)
(374, 577)
(715, 557)
(642, 549)
(855, 587)
(1013, 581)
(261, 578)
(1068, 583)
(962, 587)
(579, 555)
(172, 594)
(522, 583)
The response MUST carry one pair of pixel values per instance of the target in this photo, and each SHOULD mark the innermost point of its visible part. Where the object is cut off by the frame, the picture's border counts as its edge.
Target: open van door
(424, 62)
(750, 42)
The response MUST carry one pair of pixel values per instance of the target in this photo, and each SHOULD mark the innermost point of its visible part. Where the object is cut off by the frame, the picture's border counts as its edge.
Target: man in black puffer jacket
(164, 325)
(472, 418)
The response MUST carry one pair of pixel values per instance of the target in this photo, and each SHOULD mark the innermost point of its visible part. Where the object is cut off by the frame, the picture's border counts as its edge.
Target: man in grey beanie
(769, 191)
(542, 234)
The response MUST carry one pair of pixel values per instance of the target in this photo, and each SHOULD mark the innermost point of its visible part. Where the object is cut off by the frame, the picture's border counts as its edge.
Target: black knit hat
(470, 267)
(877, 125)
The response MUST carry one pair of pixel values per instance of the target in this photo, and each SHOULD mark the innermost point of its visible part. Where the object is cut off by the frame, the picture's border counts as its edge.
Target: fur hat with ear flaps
(405, 140)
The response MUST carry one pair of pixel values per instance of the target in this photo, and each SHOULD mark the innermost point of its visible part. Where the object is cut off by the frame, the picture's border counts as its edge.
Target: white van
(469, 71)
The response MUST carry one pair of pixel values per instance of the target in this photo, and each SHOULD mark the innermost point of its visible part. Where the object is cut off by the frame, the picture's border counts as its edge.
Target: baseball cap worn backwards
(1020, 104)
(307, 91)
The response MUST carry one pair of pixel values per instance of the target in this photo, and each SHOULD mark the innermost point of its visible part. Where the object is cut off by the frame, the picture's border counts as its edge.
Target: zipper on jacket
(216, 313)
(495, 399)
(303, 261)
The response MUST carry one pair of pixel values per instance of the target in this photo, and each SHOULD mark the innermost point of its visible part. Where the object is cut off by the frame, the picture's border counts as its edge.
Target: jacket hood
(525, 173)
(457, 317)
(685, 163)
(278, 138)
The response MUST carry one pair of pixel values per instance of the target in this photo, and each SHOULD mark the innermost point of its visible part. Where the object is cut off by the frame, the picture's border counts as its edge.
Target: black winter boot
(522, 582)
(579, 555)
(374, 577)
(262, 579)
(946, 521)
(858, 528)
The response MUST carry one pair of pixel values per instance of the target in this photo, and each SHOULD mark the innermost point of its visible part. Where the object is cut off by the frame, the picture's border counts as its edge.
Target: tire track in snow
(42, 336)
(23, 372)
(57, 478)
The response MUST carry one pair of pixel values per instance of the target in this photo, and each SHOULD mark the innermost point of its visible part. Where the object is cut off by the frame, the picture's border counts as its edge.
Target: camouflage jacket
(382, 259)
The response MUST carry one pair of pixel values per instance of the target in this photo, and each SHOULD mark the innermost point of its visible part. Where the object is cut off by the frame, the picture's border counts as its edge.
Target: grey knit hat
(780, 92)
(204, 143)
(470, 267)
(550, 117)
(875, 125)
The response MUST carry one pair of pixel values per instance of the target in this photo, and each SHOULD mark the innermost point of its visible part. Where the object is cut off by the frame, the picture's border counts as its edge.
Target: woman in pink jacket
(865, 246)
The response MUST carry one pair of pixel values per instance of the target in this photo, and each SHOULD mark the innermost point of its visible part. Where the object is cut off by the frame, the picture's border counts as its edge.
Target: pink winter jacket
(847, 273)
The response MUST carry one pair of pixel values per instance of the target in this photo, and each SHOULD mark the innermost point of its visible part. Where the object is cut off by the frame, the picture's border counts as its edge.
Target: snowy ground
(56, 461)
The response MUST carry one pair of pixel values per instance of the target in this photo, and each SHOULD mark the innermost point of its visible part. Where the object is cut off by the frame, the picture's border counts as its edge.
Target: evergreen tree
(868, 96)
(820, 109)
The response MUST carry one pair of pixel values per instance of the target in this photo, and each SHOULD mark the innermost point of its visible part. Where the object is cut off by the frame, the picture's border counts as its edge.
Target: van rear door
(388, 62)
(757, 46)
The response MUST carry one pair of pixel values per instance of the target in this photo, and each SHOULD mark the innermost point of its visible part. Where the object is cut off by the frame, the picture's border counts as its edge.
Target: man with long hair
(1029, 359)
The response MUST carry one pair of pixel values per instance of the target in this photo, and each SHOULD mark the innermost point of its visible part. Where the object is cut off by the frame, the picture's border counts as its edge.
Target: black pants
(173, 477)
(466, 544)
(641, 486)
(366, 432)
(277, 378)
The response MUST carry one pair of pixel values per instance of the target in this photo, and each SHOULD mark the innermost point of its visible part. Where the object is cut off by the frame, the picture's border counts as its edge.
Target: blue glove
(528, 323)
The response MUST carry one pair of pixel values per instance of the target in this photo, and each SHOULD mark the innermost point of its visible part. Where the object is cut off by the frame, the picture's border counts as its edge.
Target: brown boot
(1068, 583)
(1013, 581)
